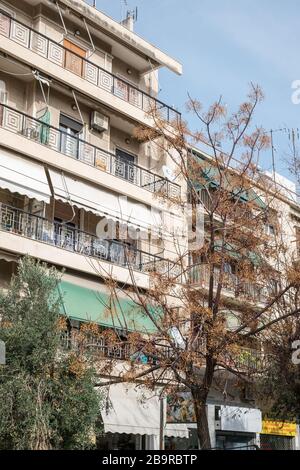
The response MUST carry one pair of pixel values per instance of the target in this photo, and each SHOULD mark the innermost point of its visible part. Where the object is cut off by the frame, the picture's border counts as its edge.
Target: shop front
(278, 435)
(237, 428)
(133, 418)
(230, 427)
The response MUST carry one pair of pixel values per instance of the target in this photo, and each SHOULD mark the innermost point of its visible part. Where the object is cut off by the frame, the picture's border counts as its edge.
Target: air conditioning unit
(99, 122)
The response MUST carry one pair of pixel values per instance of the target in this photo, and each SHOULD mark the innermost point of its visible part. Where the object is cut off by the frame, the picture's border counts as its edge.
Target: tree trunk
(199, 401)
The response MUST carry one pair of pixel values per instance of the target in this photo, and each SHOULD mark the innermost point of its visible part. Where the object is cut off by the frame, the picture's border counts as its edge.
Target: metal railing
(199, 274)
(99, 346)
(247, 360)
(72, 239)
(96, 345)
(67, 59)
(74, 147)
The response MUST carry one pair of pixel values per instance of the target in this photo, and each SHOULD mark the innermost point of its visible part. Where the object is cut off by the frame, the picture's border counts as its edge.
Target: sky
(224, 45)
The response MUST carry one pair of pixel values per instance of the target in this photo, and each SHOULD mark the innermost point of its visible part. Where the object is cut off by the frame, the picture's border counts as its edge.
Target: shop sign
(279, 428)
(240, 419)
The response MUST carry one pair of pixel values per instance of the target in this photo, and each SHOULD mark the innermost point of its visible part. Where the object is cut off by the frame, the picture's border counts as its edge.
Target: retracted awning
(136, 410)
(22, 176)
(103, 202)
(176, 430)
(133, 410)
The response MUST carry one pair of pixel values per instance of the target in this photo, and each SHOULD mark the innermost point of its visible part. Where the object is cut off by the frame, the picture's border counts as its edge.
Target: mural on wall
(180, 409)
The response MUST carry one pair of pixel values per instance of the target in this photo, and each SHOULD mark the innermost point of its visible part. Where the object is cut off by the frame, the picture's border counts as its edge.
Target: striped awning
(103, 202)
(23, 176)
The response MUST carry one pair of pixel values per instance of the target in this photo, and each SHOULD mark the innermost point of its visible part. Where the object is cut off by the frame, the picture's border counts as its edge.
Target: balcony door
(125, 166)
(71, 132)
(74, 56)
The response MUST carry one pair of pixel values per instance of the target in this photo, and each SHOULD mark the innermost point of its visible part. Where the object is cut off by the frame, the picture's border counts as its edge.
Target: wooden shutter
(73, 60)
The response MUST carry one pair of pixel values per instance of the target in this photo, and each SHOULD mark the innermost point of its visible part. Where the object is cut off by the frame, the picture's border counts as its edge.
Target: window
(228, 268)
(5, 19)
(125, 166)
(74, 57)
(270, 230)
(71, 132)
(3, 98)
(3, 92)
(298, 240)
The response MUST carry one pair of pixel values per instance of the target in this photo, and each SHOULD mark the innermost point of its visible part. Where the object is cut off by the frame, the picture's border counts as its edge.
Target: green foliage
(47, 397)
(278, 389)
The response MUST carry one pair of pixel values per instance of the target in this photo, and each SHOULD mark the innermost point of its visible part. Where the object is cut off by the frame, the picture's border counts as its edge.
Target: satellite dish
(168, 173)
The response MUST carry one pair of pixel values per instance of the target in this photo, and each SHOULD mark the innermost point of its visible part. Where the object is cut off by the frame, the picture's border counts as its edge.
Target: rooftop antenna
(131, 16)
(124, 5)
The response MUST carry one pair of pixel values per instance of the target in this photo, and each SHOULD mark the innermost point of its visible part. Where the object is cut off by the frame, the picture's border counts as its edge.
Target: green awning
(232, 251)
(249, 196)
(211, 175)
(87, 305)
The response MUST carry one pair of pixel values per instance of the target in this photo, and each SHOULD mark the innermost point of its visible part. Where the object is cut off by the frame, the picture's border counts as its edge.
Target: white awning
(179, 430)
(20, 175)
(136, 410)
(133, 410)
(103, 202)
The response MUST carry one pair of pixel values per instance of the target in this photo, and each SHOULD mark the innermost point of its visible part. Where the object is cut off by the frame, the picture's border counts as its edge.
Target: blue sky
(223, 45)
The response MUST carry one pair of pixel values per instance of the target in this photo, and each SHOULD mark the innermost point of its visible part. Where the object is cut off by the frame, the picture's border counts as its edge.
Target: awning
(136, 410)
(8, 257)
(133, 410)
(20, 175)
(179, 430)
(211, 175)
(87, 305)
(103, 202)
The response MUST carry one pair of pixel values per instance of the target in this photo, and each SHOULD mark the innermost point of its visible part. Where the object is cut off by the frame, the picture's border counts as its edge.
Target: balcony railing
(199, 274)
(247, 360)
(69, 238)
(74, 147)
(98, 346)
(60, 55)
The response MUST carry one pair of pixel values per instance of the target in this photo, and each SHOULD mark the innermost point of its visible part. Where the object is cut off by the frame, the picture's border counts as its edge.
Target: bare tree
(219, 300)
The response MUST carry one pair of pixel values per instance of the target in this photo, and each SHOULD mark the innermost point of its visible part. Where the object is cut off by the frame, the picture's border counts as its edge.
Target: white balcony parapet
(72, 239)
(57, 54)
(76, 148)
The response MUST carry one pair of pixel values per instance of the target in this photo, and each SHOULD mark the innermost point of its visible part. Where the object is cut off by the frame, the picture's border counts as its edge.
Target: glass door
(71, 131)
(125, 166)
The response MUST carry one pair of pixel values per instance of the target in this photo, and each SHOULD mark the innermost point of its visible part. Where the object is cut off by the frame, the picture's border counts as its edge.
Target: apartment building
(74, 84)
(234, 420)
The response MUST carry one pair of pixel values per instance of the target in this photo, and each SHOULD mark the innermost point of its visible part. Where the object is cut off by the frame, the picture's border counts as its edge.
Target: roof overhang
(122, 40)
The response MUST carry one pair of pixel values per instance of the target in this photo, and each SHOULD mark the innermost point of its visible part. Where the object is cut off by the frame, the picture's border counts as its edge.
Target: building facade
(77, 189)
(74, 86)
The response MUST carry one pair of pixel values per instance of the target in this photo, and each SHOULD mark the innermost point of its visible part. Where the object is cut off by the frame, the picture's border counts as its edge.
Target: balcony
(76, 148)
(92, 73)
(98, 347)
(247, 360)
(199, 275)
(63, 236)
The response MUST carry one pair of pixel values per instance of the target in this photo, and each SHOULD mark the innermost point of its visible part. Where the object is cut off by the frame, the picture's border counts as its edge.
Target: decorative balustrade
(100, 347)
(89, 71)
(74, 147)
(69, 238)
(97, 345)
(247, 360)
(199, 274)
